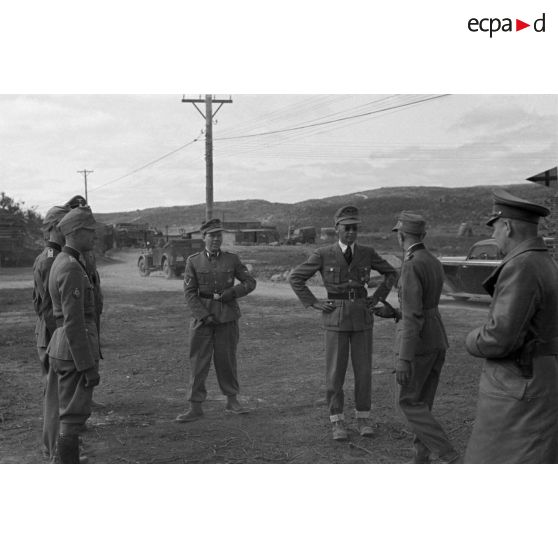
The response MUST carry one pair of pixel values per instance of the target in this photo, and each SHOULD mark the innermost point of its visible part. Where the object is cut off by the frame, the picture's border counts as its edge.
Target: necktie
(348, 255)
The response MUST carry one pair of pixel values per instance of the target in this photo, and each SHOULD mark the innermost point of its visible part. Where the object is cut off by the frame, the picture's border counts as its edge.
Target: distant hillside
(444, 208)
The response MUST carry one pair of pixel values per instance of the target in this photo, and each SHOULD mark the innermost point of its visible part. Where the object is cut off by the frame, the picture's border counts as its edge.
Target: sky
(148, 150)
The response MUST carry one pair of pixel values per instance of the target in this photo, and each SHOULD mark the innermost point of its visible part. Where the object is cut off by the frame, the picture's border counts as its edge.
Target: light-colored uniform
(349, 327)
(204, 277)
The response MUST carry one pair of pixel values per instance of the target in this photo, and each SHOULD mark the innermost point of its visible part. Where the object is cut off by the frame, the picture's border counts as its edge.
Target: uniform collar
(211, 256)
(414, 247)
(53, 245)
(72, 252)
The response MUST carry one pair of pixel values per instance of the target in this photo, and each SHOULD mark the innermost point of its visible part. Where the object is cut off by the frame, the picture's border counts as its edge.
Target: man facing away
(516, 418)
(211, 295)
(345, 268)
(74, 348)
(46, 323)
(421, 340)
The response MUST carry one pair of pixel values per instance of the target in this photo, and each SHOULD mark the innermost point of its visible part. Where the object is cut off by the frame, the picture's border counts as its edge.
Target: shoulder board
(50, 253)
(193, 255)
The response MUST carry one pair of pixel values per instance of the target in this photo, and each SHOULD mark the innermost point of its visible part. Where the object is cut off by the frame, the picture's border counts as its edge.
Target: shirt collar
(344, 246)
(210, 256)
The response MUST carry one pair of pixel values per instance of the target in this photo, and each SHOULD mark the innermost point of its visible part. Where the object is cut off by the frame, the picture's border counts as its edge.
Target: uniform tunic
(204, 277)
(516, 419)
(44, 328)
(74, 347)
(349, 327)
(421, 339)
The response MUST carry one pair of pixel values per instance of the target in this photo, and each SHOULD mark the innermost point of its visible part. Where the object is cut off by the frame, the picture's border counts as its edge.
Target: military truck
(302, 235)
(168, 255)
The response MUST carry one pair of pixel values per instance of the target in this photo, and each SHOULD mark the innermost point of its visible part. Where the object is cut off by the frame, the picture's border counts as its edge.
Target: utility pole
(208, 116)
(85, 172)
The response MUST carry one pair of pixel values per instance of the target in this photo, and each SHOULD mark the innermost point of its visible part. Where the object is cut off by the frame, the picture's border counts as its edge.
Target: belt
(351, 294)
(210, 296)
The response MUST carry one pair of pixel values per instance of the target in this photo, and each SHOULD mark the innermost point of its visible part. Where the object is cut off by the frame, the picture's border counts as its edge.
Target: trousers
(338, 346)
(217, 342)
(416, 400)
(74, 399)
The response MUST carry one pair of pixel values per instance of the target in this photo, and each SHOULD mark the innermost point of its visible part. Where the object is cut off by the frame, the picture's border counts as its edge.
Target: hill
(444, 208)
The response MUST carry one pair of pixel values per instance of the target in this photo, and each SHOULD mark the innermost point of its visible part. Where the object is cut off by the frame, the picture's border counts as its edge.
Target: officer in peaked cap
(74, 348)
(345, 268)
(46, 325)
(508, 206)
(211, 295)
(518, 396)
(421, 340)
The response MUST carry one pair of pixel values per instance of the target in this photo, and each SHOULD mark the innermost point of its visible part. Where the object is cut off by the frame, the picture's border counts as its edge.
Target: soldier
(46, 324)
(211, 296)
(74, 348)
(518, 393)
(91, 268)
(90, 262)
(345, 268)
(421, 340)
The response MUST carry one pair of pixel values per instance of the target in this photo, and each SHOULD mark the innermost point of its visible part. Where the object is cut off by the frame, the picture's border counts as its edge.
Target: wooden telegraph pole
(549, 178)
(85, 172)
(208, 116)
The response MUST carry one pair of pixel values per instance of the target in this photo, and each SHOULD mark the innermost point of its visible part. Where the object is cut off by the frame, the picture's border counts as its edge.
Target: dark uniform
(516, 419)
(348, 328)
(74, 348)
(206, 280)
(44, 328)
(421, 341)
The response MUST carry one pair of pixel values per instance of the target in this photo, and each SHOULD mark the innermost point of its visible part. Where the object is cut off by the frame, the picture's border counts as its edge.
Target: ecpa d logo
(493, 25)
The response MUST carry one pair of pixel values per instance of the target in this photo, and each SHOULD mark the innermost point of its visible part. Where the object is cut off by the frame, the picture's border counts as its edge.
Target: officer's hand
(403, 370)
(324, 306)
(228, 295)
(92, 377)
(209, 320)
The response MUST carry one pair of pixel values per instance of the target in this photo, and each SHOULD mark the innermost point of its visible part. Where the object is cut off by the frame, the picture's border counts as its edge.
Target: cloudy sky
(283, 148)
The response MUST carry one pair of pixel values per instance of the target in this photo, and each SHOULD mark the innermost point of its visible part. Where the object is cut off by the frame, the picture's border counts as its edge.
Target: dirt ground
(145, 376)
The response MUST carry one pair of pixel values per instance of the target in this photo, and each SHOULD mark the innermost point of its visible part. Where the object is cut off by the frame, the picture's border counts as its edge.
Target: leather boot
(68, 448)
(195, 413)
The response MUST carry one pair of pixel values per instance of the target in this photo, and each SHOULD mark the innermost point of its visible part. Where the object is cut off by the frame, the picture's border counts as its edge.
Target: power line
(148, 164)
(294, 128)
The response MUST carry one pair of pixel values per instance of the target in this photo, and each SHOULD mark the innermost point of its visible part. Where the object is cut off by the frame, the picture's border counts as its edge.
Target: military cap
(77, 218)
(53, 217)
(411, 223)
(347, 215)
(211, 226)
(509, 206)
(76, 201)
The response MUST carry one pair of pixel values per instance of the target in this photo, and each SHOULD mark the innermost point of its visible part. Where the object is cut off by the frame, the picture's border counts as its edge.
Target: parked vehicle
(302, 235)
(464, 275)
(168, 256)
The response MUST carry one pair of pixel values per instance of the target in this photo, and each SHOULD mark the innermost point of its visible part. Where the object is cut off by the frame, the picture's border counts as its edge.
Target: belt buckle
(352, 295)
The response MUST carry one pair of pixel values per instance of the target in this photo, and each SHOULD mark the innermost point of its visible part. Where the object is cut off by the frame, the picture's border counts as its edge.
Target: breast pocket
(332, 275)
(203, 278)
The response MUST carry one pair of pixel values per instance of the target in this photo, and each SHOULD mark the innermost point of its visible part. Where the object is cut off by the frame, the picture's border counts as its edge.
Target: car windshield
(484, 252)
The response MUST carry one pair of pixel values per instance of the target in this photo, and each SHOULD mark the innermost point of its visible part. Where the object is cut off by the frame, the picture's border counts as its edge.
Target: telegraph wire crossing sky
(148, 150)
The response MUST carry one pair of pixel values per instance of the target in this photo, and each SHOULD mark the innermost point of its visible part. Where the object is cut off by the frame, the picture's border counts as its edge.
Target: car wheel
(142, 268)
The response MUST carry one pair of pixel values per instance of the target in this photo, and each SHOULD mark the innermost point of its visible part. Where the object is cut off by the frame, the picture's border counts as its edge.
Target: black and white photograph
(219, 318)
(260, 264)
